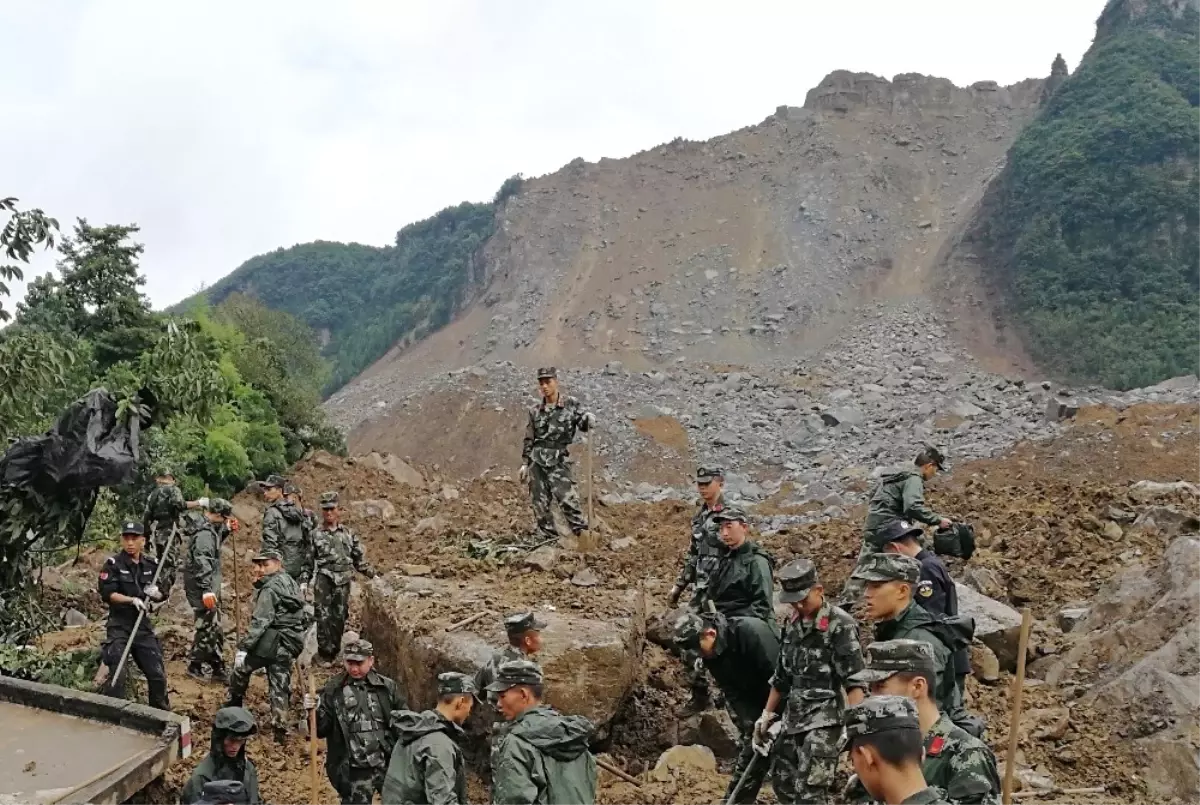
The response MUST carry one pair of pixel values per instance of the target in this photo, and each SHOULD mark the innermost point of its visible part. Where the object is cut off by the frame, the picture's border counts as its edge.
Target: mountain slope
(1092, 230)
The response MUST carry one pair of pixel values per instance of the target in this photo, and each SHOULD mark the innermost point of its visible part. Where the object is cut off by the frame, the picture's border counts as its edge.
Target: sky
(227, 129)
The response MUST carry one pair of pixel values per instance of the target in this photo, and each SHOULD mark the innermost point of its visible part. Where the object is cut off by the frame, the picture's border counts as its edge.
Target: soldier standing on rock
(427, 765)
(883, 736)
(955, 761)
(900, 495)
(742, 585)
(354, 716)
(544, 454)
(741, 654)
(274, 639)
(286, 532)
(338, 553)
(542, 757)
(164, 506)
(817, 662)
(202, 586)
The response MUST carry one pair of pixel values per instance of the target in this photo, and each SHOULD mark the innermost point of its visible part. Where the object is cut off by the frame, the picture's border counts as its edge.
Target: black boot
(218, 673)
(280, 734)
(158, 695)
(195, 670)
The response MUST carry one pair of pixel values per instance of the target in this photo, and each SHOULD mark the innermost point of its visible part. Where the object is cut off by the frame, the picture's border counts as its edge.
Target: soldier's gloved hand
(203, 502)
(673, 596)
(590, 419)
(139, 604)
(304, 589)
(762, 729)
(239, 659)
(152, 591)
(310, 701)
(209, 600)
(523, 473)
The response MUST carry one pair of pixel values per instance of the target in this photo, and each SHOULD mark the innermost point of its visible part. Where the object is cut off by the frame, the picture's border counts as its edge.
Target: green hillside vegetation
(1096, 219)
(363, 299)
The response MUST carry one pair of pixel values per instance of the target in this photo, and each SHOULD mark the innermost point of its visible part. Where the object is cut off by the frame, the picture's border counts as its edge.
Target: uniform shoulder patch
(935, 746)
(925, 588)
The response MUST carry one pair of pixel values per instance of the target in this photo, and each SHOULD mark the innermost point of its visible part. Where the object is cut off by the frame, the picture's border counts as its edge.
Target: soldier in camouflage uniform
(955, 761)
(202, 586)
(545, 458)
(900, 495)
(817, 663)
(741, 654)
(427, 764)
(294, 495)
(338, 553)
(883, 736)
(891, 580)
(286, 532)
(524, 631)
(355, 717)
(274, 639)
(164, 505)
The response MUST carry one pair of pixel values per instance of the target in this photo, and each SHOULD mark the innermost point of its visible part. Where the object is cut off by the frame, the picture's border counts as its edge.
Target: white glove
(590, 419)
(304, 589)
(139, 604)
(152, 591)
(761, 727)
(310, 701)
(203, 502)
(523, 473)
(239, 659)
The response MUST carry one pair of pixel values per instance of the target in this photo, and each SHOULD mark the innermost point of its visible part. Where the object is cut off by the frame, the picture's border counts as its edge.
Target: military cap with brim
(876, 714)
(329, 500)
(885, 658)
(934, 456)
(133, 528)
(706, 475)
(291, 488)
(797, 578)
(220, 506)
(730, 514)
(453, 683)
(516, 672)
(224, 792)
(895, 531)
(546, 371)
(264, 556)
(358, 650)
(274, 481)
(888, 567)
(523, 622)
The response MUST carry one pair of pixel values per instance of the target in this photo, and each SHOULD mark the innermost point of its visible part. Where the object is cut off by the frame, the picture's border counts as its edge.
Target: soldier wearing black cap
(742, 585)
(814, 676)
(883, 736)
(549, 432)
(286, 532)
(338, 553)
(741, 654)
(524, 630)
(427, 764)
(127, 586)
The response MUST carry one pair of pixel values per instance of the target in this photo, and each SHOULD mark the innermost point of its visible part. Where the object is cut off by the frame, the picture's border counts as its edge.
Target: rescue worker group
(800, 693)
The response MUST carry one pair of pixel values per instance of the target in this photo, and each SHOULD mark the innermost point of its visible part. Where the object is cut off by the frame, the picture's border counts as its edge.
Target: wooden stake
(1098, 789)
(237, 598)
(312, 740)
(611, 769)
(467, 621)
(1014, 719)
(591, 507)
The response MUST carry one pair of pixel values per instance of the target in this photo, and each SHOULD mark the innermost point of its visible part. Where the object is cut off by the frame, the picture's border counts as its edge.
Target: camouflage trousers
(279, 685)
(359, 786)
(332, 603)
(208, 642)
(746, 756)
(168, 560)
(805, 766)
(549, 485)
(853, 589)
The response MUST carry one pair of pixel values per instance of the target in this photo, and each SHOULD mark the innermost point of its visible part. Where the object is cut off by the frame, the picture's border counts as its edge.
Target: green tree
(23, 231)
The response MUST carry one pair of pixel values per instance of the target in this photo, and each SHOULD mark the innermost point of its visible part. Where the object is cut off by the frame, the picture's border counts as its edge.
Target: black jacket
(120, 574)
(742, 664)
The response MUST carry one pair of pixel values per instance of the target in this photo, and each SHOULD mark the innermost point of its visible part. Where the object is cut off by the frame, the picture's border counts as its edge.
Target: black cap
(895, 531)
(931, 455)
(263, 556)
(131, 527)
(546, 371)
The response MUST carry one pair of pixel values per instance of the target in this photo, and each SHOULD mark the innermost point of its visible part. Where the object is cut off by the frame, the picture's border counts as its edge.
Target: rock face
(397, 468)
(590, 664)
(997, 625)
(1137, 652)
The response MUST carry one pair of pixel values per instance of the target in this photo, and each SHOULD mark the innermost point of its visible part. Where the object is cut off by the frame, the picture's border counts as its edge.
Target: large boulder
(997, 625)
(394, 466)
(590, 663)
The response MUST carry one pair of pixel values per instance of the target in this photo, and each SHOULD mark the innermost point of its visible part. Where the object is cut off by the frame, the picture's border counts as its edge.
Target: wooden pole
(1014, 719)
(237, 598)
(611, 769)
(312, 740)
(1097, 789)
(591, 483)
(454, 627)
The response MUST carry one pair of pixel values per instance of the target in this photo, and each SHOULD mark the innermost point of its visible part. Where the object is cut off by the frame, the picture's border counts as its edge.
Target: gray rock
(1112, 531)
(585, 578)
(1058, 410)
(726, 438)
(997, 625)
(964, 409)
(449, 493)
(1166, 521)
(613, 368)
(1069, 616)
(622, 543)
(544, 558)
(73, 619)
(430, 525)
(843, 416)
(1146, 491)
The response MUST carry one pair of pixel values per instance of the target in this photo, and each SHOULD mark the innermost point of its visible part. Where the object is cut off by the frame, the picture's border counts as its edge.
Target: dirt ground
(1038, 512)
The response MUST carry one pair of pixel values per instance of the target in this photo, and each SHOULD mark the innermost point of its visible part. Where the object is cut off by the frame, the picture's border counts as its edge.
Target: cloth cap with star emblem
(876, 714)
(730, 514)
(329, 500)
(452, 683)
(220, 506)
(797, 578)
(520, 622)
(706, 475)
(690, 625)
(516, 672)
(885, 658)
(358, 650)
(888, 567)
(546, 372)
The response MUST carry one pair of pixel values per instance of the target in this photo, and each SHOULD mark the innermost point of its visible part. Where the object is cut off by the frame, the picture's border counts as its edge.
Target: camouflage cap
(546, 371)
(705, 475)
(132, 527)
(358, 650)
(163, 471)
(730, 514)
(224, 792)
(894, 532)
(797, 578)
(291, 488)
(220, 506)
(876, 714)
(885, 658)
(329, 500)
(888, 567)
(267, 555)
(689, 626)
(274, 481)
(520, 622)
(516, 672)
(452, 683)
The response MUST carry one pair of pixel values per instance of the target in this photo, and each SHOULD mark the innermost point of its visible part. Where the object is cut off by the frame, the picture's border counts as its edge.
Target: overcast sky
(226, 129)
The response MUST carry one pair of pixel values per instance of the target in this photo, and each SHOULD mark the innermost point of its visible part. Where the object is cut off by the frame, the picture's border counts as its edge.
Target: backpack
(957, 540)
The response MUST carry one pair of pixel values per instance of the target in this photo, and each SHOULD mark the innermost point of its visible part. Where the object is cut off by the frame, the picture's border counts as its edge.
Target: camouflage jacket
(900, 495)
(285, 529)
(543, 759)
(704, 550)
(915, 623)
(354, 717)
(960, 764)
(926, 796)
(426, 767)
(816, 661)
(550, 430)
(278, 619)
(164, 504)
(202, 569)
(338, 553)
(742, 585)
(486, 674)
